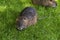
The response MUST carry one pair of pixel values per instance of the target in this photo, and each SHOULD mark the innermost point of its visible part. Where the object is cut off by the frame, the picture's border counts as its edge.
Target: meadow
(45, 29)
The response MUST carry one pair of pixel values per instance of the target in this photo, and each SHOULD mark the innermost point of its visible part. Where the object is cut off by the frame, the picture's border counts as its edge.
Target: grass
(45, 29)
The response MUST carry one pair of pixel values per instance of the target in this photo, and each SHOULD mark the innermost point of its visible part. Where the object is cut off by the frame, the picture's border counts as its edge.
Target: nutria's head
(52, 3)
(22, 23)
(25, 18)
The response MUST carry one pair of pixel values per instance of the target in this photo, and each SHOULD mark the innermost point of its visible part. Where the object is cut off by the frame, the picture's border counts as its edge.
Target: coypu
(27, 17)
(50, 3)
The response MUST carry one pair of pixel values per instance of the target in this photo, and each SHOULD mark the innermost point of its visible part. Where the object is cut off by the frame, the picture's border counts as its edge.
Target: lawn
(45, 29)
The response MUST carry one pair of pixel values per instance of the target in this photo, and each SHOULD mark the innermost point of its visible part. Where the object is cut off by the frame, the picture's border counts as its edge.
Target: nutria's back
(28, 12)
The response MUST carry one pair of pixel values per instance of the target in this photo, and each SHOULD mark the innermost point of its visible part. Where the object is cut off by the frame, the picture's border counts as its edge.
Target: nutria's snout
(19, 26)
(21, 23)
(54, 5)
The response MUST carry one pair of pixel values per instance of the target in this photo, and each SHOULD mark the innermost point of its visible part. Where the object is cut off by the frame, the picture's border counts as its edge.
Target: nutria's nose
(19, 28)
(54, 5)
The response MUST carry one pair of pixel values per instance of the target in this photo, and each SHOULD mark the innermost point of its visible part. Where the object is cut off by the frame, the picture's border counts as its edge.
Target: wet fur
(27, 17)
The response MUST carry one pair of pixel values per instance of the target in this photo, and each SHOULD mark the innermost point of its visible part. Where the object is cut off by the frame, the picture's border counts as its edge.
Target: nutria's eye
(50, 0)
(24, 18)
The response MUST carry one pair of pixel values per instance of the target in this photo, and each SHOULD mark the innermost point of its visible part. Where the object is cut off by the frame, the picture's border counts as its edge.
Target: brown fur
(51, 3)
(27, 18)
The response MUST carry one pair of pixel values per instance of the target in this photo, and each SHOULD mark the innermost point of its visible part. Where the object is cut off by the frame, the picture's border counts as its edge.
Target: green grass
(45, 29)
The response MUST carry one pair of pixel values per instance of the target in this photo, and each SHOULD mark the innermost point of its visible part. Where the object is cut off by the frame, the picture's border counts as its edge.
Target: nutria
(27, 17)
(50, 3)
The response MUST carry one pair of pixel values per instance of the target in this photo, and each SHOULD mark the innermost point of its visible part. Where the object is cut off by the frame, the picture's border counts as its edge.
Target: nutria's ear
(54, 5)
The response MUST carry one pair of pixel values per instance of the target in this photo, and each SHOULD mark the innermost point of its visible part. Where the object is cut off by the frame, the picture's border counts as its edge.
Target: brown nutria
(27, 17)
(50, 3)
